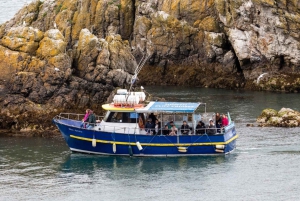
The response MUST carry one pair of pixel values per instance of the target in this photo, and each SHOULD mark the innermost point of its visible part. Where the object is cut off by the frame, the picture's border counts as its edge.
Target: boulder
(286, 117)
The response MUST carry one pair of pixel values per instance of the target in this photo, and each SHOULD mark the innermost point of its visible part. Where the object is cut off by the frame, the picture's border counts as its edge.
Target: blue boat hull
(80, 140)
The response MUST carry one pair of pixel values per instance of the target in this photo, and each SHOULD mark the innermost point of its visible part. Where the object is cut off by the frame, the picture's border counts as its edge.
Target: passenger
(157, 130)
(211, 128)
(173, 130)
(185, 128)
(166, 130)
(218, 121)
(91, 120)
(153, 117)
(224, 120)
(149, 127)
(200, 128)
(170, 124)
(141, 122)
(85, 118)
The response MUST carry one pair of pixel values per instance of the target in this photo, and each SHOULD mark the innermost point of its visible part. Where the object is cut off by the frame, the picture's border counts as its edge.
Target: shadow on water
(89, 164)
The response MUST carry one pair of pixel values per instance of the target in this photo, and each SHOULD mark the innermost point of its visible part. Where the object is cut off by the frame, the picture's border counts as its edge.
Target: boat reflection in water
(92, 164)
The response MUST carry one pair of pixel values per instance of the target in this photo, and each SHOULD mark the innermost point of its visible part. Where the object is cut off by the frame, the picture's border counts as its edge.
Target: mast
(138, 69)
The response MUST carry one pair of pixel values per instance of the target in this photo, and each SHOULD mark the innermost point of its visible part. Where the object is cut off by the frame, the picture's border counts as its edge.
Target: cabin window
(122, 117)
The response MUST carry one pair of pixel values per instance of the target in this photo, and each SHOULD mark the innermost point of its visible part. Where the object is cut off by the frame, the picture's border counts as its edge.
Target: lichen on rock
(285, 117)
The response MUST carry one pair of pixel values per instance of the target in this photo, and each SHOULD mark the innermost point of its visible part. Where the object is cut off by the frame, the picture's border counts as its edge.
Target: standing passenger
(157, 129)
(141, 122)
(153, 117)
(218, 120)
(149, 127)
(91, 120)
(85, 118)
(224, 120)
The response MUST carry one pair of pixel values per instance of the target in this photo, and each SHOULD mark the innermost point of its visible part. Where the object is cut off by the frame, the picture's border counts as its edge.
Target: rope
(198, 139)
(149, 142)
(175, 144)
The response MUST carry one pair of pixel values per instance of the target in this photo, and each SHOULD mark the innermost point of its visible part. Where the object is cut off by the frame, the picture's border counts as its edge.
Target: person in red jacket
(224, 120)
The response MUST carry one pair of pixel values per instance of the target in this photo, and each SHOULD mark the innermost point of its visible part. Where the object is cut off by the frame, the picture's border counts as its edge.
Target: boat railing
(126, 129)
(74, 116)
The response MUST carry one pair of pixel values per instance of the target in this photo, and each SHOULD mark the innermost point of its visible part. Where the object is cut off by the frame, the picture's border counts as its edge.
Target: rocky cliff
(67, 54)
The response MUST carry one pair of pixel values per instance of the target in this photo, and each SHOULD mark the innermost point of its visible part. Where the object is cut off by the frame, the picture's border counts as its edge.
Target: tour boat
(123, 130)
(120, 132)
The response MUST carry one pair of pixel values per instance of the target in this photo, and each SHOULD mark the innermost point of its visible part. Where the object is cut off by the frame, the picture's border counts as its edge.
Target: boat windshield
(121, 117)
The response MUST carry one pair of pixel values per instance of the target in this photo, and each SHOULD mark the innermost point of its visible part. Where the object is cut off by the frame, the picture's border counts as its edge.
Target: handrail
(123, 129)
(98, 117)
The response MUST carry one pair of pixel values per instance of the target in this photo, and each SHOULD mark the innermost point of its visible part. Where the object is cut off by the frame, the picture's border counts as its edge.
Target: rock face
(229, 42)
(285, 117)
(68, 54)
(51, 62)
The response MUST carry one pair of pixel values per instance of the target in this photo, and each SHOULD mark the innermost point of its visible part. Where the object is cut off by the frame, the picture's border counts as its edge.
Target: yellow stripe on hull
(156, 144)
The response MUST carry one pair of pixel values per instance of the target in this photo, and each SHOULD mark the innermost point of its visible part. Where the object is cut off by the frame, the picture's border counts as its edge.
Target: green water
(265, 165)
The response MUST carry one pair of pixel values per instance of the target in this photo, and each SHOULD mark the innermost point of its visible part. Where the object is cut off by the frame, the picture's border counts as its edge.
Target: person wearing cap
(185, 128)
(211, 128)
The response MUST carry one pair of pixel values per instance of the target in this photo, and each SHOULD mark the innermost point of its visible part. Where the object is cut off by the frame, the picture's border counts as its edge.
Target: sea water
(8, 8)
(265, 165)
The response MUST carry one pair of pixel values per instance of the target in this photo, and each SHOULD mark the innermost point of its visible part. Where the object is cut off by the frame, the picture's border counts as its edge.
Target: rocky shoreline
(285, 117)
(68, 55)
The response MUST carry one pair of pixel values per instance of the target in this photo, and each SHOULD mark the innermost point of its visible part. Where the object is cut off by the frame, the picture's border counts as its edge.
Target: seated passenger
(166, 130)
(149, 127)
(211, 128)
(200, 128)
(170, 124)
(185, 128)
(173, 130)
